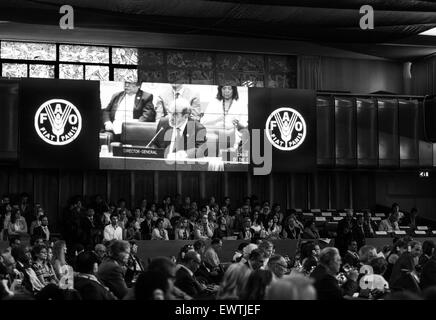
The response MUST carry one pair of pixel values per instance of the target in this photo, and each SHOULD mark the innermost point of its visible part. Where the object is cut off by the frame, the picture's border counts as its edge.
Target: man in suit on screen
(181, 136)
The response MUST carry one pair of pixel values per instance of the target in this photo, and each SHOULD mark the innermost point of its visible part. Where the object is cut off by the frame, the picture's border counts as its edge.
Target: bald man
(181, 136)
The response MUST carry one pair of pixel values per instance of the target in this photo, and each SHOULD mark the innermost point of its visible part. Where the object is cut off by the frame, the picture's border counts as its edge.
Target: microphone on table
(154, 137)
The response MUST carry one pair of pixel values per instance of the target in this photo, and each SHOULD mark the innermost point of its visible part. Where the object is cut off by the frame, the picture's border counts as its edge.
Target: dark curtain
(309, 72)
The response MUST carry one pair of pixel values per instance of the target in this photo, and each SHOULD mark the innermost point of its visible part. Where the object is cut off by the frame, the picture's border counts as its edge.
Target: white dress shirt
(111, 233)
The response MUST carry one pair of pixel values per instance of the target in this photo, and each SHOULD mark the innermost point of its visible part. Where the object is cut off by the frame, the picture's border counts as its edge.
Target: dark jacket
(194, 138)
(39, 232)
(187, 283)
(142, 100)
(146, 230)
(111, 274)
(428, 274)
(327, 286)
(92, 290)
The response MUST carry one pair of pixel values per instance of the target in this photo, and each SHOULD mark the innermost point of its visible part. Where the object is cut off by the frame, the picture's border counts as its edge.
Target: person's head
(227, 201)
(247, 223)
(100, 250)
(159, 223)
(149, 215)
(8, 262)
(40, 252)
(131, 87)
(275, 219)
(227, 92)
(352, 246)
(277, 264)
(331, 259)
(217, 244)
(16, 215)
(267, 247)
(296, 287)
(179, 111)
(349, 214)
(257, 258)
(310, 249)
(415, 248)
(256, 285)
(234, 281)
(222, 221)
(114, 219)
(367, 253)
(119, 250)
(204, 219)
(212, 216)
(14, 242)
(133, 247)
(192, 260)
(151, 285)
(166, 267)
(428, 247)
(37, 241)
(44, 221)
(200, 246)
(21, 254)
(379, 265)
(59, 250)
(87, 262)
(413, 212)
(395, 208)
(90, 212)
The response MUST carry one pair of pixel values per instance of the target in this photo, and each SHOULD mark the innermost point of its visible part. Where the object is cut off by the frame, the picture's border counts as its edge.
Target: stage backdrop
(288, 119)
(59, 124)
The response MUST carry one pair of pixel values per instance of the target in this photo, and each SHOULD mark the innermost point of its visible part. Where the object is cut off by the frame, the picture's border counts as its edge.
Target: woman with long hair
(182, 231)
(17, 225)
(159, 232)
(59, 263)
(222, 230)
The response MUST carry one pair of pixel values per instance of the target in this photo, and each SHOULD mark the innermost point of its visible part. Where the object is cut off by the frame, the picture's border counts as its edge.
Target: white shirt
(124, 112)
(111, 233)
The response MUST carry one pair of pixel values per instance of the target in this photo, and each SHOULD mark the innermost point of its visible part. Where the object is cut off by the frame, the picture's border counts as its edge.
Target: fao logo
(58, 122)
(286, 129)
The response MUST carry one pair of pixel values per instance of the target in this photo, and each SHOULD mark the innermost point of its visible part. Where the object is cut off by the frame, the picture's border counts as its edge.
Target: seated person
(170, 94)
(181, 136)
(124, 106)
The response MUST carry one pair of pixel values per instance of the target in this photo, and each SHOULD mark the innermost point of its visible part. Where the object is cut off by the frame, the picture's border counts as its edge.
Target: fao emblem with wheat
(286, 129)
(58, 122)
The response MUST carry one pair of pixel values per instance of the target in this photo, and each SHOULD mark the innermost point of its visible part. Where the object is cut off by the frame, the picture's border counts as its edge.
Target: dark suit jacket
(145, 230)
(38, 232)
(92, 290)
(187, 283)
(404, 262)
(142, 100)
(194, 132)
(428, 274)
(111, 275)
(327, 286)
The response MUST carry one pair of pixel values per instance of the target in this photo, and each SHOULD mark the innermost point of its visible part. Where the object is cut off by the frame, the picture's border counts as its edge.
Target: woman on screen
(227, 114)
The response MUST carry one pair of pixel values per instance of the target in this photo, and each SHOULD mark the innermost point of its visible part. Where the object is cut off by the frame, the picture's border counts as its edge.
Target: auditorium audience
(256, 272)
(17, 225)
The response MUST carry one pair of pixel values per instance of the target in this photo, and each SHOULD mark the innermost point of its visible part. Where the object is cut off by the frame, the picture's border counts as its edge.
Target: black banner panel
(8, 120)
(367, 147)
(287, 119)
(59, 124)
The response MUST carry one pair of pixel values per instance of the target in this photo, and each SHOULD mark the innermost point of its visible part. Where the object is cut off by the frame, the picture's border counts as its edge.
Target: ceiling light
(429, 32)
